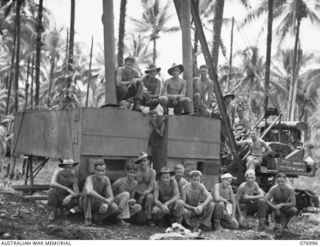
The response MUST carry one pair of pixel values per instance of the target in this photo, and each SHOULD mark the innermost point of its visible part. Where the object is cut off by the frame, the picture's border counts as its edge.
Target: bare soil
(23, 219)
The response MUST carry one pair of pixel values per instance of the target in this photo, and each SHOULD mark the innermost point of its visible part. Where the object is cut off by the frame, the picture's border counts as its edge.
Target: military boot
(217, 225)
(136, 105)
(262, 225)
(52, 215)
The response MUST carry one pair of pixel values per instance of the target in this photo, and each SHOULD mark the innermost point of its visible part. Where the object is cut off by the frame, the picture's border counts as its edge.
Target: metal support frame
(32, 173)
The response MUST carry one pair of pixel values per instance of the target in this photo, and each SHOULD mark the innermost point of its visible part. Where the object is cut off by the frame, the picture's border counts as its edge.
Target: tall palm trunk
(293, 83)
(231, 54)
(268, 55)
(71, 39)
(11, 72)
(217, 24)
(51, 77)
(32, 82)
(16, 81)
(122, 22)
(38, 52)
(154, 55)
(27, 86)
(295, 74)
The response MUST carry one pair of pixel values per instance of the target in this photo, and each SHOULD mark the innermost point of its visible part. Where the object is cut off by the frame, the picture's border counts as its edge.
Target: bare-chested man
(151, 87)
(192, 195)
(202, 89)
(97, 199)
(129, 83)
(174, 93)
(225, 209)
(166, 198)
(146, 177)
(251, 197)
(257, 146)
(178, 176)
(241, 123)
(64, 191)
(282, 200)
(124, 190)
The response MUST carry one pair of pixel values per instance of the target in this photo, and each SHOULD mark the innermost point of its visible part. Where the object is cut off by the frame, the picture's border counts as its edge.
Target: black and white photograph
(159, 120)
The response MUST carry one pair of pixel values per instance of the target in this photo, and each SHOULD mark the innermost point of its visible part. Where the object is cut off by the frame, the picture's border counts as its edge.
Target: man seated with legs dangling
(129, 84)
(151, 87)
(258, 150)
(173, 93)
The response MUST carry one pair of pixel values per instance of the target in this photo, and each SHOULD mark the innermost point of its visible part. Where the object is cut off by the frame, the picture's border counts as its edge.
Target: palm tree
(290, 15)
(122, 21)
(138, 47)
(153, 22)
(53, 44)
(38, 51)
(218, 9)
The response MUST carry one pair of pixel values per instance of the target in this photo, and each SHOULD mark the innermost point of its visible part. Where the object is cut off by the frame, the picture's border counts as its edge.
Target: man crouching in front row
(97, 199)
(166, 198)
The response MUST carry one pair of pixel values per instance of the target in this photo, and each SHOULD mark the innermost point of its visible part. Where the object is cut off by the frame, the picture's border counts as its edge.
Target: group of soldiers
(167, 197)
(149, 91)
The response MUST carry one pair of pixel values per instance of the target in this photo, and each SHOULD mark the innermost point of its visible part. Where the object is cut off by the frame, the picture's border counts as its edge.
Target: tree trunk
(89, 80)
(217, 24)
(293, 88)
(32, 83)
(231, 53)
(122, 22)
(11, 72)
(51, 77)
(71, 39)
(38, 51)
(27, 86)
(67, 53)
(154, 55)
(268, 55)
(16, 78)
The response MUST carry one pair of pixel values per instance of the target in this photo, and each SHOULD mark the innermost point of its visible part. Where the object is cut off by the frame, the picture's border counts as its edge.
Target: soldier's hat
(68, 162)
(173, 66)
(142, 156)
(152, 68)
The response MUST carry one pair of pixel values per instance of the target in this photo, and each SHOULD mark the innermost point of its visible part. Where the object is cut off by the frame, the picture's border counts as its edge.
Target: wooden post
(109, 51)
(185, 13)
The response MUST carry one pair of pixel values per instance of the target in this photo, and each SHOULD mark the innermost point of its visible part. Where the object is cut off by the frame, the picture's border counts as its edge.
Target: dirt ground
(23, 219)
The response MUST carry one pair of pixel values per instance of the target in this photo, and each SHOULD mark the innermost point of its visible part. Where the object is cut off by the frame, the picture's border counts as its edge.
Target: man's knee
(149, 197)
(211, 206)
(219, 206)
(124, 195)
(113, 208)
(292, 211)
(163, 100)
